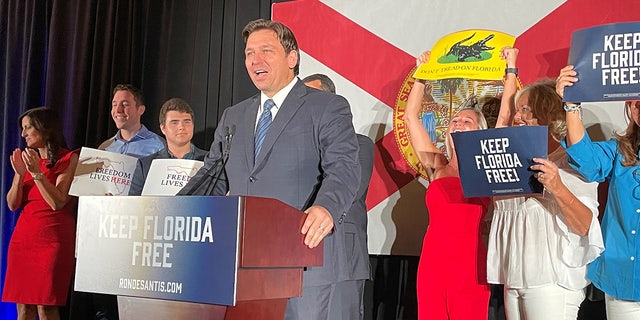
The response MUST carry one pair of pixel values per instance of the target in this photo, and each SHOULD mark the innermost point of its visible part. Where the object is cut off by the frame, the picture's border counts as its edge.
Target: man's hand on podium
(317, 225)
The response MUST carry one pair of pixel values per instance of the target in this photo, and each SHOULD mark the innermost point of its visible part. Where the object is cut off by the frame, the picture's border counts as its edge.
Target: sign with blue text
(171, 248)
(607, 60)
(495, 162)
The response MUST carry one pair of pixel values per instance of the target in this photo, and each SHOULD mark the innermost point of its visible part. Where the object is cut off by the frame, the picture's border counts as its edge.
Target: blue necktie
(263, 124)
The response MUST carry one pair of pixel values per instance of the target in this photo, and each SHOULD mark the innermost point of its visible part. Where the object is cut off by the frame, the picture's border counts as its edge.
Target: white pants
(551, 302)
(621, 309)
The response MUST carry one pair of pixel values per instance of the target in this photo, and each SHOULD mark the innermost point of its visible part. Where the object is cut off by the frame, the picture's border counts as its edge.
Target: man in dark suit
(308, 157)
(176, 123)
(347, 303)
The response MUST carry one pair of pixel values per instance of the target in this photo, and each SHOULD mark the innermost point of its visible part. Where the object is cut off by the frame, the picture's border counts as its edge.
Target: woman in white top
(540, 244)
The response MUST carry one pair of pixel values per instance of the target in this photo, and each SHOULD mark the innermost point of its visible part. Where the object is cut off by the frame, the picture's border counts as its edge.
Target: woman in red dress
(451, 280)
(41, 252)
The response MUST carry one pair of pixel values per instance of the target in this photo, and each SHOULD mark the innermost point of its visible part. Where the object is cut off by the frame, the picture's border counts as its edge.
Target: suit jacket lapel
(249, 122)
(289, 107)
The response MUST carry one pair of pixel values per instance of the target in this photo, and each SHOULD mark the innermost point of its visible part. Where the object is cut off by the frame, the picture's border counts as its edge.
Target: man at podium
(292, 143)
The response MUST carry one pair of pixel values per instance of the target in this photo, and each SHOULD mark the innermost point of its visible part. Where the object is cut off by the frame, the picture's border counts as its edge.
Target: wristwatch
(511, 70)
(37, 176)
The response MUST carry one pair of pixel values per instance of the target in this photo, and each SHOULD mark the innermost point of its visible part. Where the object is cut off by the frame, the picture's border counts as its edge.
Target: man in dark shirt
(176, 123)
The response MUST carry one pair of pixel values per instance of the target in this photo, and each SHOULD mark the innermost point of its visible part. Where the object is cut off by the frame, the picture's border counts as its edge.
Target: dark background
(68, 55)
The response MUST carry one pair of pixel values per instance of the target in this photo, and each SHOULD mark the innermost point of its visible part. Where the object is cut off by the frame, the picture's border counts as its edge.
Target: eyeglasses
(636, 189)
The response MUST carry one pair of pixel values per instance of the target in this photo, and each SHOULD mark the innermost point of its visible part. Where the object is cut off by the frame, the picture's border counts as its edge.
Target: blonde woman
(451, 280)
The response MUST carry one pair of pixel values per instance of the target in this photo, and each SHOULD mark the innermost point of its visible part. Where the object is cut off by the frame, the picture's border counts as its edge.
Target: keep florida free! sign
(495, 162)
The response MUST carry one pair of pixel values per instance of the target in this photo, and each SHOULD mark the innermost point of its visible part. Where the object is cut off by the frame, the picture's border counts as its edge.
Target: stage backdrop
(368, 49)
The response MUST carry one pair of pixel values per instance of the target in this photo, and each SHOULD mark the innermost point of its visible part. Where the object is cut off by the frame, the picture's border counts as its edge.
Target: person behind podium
(308, 157)
(176, 123)
(347, 302)
(133, 139)
(40, 259)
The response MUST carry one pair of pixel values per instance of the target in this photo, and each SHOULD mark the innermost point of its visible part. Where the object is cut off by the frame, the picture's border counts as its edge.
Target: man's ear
(292, 59)
(162, 129)
(141, 109)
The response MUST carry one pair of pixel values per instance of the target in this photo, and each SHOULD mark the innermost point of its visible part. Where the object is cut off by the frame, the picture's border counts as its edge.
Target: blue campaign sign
(495, 162)
(172, 248)
(607, 59)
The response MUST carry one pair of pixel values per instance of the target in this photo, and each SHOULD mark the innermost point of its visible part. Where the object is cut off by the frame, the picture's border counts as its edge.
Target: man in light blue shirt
(132, 138)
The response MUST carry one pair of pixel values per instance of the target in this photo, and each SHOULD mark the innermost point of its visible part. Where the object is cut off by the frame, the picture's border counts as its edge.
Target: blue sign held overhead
(607, 60)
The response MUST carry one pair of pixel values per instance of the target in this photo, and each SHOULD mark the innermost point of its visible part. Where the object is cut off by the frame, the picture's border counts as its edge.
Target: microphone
(225, 156)
(227, 138)
(225, 147)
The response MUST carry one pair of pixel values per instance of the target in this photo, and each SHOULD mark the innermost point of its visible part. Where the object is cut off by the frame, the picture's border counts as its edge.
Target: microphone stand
(216, 164)
(204, 178)
(225, 157)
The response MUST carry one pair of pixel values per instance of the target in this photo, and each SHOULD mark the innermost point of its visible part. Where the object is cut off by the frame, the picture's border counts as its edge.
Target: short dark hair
(174, 104)
(48, 123)
(326, 82)
(285, 35)
(137, 93)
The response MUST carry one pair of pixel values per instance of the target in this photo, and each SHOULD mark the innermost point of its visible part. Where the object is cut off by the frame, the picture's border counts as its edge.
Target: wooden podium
(242, 259)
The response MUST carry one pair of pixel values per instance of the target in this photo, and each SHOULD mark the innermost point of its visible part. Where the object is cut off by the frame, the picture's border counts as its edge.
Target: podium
(203, 257)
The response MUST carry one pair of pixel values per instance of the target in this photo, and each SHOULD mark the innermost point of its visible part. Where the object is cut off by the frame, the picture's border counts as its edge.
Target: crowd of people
(544, 249)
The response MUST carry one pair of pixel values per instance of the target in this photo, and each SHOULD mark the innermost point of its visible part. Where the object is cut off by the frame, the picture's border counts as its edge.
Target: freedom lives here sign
(496, 162)
(607, 60)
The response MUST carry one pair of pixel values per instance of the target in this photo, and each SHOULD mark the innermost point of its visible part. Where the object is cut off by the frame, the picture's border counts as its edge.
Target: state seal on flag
(440, 101)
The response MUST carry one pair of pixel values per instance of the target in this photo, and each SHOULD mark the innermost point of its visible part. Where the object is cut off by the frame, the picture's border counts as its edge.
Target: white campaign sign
(102, 173)
(167, 176)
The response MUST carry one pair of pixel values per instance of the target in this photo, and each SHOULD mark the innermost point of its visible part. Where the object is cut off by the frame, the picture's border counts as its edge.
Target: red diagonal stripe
(346, 47)
(391, 172)
(322, 36)
(544, 48)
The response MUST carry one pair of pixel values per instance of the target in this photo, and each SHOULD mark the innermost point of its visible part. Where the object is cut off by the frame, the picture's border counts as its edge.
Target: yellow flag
(468, 54)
